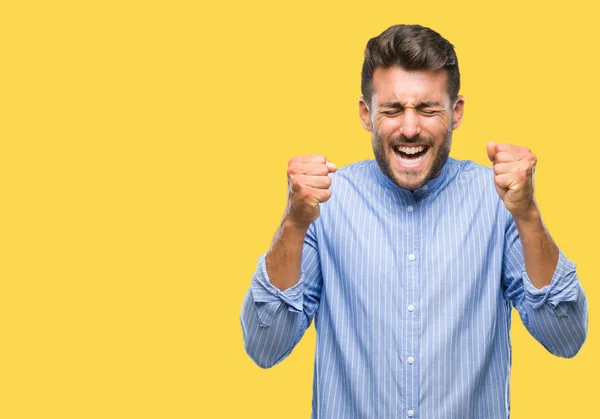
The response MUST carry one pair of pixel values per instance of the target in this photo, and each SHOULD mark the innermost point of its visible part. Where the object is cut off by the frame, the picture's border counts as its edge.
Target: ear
(458, 112)
(363, 113)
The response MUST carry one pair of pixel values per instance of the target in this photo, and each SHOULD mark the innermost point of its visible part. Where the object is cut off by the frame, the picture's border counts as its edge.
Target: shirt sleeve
(274, 321)
(556, 315)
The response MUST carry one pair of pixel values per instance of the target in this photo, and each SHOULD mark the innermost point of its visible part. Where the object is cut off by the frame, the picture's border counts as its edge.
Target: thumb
(491, 151)
(332, 167)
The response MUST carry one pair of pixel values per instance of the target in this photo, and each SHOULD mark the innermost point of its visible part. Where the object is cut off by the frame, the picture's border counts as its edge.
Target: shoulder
(475, 183)
(353, 175)
(352, 187)
(469, 166)
(471, 179)
(468, 170)
(354, 168)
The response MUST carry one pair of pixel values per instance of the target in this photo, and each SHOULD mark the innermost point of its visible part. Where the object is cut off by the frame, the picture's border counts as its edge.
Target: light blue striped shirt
(411, 293)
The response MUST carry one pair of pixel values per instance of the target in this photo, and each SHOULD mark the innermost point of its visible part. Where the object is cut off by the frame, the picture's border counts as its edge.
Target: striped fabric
(411, 294)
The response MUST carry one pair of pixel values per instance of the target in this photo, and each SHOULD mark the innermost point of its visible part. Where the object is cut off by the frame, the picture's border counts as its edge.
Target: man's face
(411, 119)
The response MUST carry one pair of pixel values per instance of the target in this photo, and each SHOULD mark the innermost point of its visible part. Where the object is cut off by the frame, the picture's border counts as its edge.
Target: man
(413, 265)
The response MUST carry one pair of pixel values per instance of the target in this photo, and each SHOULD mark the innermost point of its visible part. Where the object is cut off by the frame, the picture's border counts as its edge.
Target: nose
(409, 126)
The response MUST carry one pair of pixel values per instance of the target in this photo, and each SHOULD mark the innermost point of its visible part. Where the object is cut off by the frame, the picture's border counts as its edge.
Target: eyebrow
(421, 105)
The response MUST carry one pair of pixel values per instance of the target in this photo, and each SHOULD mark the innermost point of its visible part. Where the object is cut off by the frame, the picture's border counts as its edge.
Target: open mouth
(411, 155)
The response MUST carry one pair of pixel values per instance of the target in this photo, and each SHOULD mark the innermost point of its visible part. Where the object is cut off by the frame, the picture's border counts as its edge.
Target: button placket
(410, 288)
(411, 300)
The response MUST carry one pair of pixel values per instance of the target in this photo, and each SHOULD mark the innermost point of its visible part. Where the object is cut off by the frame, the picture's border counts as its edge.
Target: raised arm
(309, 183)
(547, 292)
(285, 290)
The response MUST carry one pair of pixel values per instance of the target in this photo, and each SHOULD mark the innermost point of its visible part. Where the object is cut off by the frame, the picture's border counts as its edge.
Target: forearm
(273, 321)
(284, 259)
(286, 285)
(539, 250)
(552, 304)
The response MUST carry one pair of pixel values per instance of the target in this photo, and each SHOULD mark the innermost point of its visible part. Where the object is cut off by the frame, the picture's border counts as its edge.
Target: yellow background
(142, 172)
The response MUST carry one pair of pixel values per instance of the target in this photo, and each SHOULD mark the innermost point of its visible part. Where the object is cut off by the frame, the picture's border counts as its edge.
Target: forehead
(398, 84)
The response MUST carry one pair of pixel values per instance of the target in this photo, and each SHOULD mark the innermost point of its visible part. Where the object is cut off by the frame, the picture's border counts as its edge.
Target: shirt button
(425, 187)
(410, 308)
(411, 360)
(410, 413)
(411, 257)
(410, 208)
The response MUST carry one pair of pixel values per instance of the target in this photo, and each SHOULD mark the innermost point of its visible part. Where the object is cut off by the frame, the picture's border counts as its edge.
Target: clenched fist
(514, 167)
(309, 183)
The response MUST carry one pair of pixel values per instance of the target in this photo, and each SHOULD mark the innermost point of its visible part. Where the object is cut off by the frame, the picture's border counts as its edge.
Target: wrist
(529, 223)
(294, 226)
(530, 215)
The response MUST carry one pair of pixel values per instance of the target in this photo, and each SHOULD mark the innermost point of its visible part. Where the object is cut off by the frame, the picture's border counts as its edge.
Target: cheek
(387, 126)
(435, 127)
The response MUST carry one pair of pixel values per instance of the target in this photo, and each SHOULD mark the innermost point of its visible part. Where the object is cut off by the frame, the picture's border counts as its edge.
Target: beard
(411, 181)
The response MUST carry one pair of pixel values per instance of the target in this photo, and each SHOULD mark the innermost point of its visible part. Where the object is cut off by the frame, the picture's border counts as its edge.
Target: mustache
(417, 139)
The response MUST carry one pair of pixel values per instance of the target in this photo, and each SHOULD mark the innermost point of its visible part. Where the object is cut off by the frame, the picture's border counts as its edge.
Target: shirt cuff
(563, 287)
(269, 299)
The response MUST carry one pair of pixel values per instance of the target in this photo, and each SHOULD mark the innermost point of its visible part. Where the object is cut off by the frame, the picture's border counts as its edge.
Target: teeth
(411, 162)
(411, 150)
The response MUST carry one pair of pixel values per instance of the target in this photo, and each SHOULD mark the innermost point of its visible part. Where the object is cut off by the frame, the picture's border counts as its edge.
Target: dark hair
(412, 47)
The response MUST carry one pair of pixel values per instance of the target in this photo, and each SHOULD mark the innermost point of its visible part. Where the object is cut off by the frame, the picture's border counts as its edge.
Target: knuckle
(292, 170)
(301, 191)
(317, 158)
(304, 194)
(295, 182)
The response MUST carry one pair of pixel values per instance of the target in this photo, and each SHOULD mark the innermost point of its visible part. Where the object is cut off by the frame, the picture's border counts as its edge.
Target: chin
(412, 180)
(410, 185)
